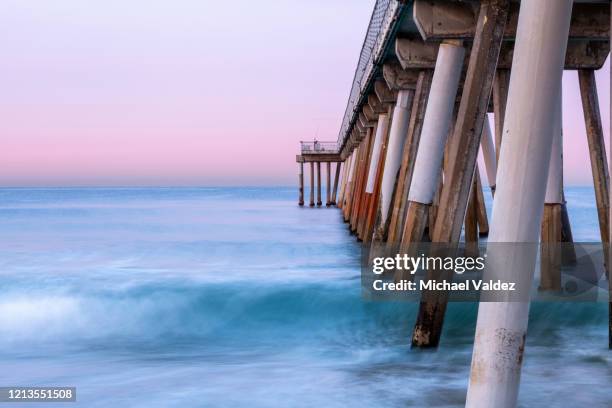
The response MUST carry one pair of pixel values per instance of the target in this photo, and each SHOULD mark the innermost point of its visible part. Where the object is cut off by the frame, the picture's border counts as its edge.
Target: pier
(429, 75)
(314, 153)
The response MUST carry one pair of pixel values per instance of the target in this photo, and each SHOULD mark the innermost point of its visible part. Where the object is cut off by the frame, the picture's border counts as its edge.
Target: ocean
(237, 297)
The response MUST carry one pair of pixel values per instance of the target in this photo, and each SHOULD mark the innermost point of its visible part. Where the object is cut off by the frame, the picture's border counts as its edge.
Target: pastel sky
(187, 92)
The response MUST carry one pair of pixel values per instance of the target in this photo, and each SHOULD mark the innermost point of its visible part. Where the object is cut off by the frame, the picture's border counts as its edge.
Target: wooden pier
(429, 75)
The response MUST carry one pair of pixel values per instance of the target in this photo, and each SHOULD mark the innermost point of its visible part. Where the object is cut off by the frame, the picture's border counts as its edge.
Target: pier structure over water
(429, 75)
(315, 153)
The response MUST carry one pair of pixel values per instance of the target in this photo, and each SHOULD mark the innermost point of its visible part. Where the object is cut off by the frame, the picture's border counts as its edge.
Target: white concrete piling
(537, 68)
(395, 147)
(437, 122)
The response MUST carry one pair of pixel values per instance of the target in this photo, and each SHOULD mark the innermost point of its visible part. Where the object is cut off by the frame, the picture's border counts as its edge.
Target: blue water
(236, 297)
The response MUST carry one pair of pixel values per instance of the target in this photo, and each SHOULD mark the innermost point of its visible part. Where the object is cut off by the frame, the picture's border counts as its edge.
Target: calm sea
(236, 297)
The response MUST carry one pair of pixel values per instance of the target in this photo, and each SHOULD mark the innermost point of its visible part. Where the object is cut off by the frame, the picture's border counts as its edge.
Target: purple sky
(188, 92)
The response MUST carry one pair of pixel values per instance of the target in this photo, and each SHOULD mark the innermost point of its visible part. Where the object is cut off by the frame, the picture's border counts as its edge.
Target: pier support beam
(372, 188)
(349, 183)
(319, 184)
(500, 97)
(470, 228)
(489, 155)
(312, 187)
(597, 149)
(352, 182)
(436, 126)
(341, 187)
(328, 186)
(393, 159)
(466, 140)
(346, 207)
(539, 51)
(301, 181)
(336, 179)
(361, 197)
(483, 220)
(345, 165)
(552, 219)
(419, 105)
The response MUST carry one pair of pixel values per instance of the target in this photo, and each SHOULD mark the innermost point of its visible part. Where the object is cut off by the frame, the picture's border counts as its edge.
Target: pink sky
(189, 92)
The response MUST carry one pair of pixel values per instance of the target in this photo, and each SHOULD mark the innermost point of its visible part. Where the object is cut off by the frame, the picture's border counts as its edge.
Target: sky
(188, 92)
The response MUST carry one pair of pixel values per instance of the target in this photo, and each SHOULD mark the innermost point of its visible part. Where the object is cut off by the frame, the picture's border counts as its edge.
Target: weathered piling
(471, 219)
(350, 169)
(500, 97)
(436, 125)
(466, 140)
(552, 220)
(343, 181)
(348, 199)
(374, 202)
(483, 219)
(312, 187)
(301, 181)
(319, 202)
(361, 195)
(328, 186)
(341, 187)
(409, 153)
(375, 157)
(537, 68)
(597, 149)
(397, 137)
(336, 180)
(489, 154)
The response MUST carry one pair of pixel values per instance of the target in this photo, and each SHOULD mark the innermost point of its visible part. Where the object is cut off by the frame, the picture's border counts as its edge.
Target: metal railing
(316, 147)
(382, 24)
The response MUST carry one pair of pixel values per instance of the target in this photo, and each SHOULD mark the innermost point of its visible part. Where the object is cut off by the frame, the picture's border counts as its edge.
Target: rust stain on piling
(420, 336)
(478, 370)
(511, 348)
(508, 357)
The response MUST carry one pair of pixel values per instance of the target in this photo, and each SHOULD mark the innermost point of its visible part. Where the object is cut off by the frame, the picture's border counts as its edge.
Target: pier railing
(316, 147)
(384, 18)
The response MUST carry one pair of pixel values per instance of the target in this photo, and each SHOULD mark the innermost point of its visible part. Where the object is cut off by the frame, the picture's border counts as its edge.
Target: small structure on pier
(429, 74)
(315, 153)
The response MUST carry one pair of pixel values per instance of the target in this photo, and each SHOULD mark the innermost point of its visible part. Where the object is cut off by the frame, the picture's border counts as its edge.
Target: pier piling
(417, 113)
(301, 181)
(500, 97)
(489, 154)
(552, 221)
(336, 179)
(436, 126)
(328, 186)
(467, 132)
(499, 344)
(483, 220)
(312, 181)
(397, 136)
(373, 207)
(319, 184)
(360, 197)
(597, 150)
